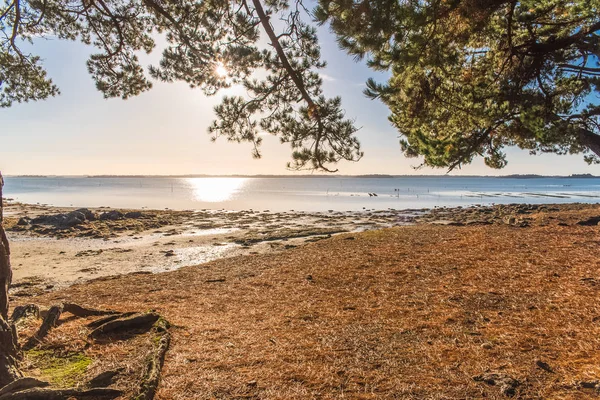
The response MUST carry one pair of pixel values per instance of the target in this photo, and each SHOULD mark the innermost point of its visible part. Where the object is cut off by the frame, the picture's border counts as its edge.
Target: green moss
(156, 339)
(62, 370)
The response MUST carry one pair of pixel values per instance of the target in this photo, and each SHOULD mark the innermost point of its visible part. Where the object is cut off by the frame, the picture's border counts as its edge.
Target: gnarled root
(50, 321)
(62, 394)
(104, 379)
(32, 389)
(136, 321)
(102, 321)
(22, 384)
(52, 316)
(25, 311)
(155, 362)
(83, 312)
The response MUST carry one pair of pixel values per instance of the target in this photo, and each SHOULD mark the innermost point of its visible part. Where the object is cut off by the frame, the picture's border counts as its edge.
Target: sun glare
(214, 190)
(221, 71)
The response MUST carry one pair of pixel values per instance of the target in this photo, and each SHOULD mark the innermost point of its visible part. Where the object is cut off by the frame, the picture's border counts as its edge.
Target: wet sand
(48, 256)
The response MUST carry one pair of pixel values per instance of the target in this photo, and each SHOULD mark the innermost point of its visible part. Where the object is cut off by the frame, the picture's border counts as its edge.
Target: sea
(311, 194)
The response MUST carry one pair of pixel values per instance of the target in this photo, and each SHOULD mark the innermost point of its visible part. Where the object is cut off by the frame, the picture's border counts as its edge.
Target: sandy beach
(50, 253)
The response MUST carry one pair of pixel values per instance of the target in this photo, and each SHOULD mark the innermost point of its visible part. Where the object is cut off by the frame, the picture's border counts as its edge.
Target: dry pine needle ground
(410, 312)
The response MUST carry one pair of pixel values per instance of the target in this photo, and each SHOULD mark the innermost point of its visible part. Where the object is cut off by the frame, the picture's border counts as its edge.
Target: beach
(486, 302)
(50, 252)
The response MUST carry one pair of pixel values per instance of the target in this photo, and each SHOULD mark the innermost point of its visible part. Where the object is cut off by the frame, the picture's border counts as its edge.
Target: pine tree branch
(264, 19)
(560, 43)
(312, 107)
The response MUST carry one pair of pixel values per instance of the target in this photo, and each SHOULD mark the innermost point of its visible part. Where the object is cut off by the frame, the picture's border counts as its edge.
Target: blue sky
(164, 131)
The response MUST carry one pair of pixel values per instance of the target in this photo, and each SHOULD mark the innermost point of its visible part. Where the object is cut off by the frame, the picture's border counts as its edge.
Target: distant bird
(370, 194)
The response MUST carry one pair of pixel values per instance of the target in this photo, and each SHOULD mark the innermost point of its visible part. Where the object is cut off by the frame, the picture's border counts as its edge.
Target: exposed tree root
(52, 316)
(102, 321)
(80, 311)
(25, 311)
(22, 384)
(50, 321)
(104, 379)
(136, 321)
(156, 360)
(62, 394)
(113, 323)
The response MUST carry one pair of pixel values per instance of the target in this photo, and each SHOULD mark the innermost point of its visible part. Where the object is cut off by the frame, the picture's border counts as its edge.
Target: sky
(164, 131)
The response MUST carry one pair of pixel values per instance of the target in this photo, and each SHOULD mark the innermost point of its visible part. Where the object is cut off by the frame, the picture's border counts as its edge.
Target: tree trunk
(9, 370)
(590, 140)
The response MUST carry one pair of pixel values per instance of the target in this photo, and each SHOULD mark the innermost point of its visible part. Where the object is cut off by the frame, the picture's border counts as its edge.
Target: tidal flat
(54, 247)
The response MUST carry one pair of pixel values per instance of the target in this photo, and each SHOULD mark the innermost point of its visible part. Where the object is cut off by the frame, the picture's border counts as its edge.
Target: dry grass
(411, 313)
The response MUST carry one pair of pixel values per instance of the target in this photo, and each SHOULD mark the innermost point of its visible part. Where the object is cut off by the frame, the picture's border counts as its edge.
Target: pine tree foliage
(468, 77)
(471, 77)
(277, 67)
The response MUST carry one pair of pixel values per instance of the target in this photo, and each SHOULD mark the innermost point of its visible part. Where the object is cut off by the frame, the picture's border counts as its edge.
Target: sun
(221, 71)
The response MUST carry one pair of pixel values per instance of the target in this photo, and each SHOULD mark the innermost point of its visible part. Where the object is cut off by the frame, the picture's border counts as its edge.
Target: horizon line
(522, 176)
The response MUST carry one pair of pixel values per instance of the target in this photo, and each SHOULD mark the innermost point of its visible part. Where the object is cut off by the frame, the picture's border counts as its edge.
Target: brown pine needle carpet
(420, 312)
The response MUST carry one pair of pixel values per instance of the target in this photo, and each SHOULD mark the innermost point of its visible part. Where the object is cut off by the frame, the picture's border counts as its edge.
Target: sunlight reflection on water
(214, 190)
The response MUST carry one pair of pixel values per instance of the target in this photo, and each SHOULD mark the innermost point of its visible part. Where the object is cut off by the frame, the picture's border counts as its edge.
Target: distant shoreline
(368, 176)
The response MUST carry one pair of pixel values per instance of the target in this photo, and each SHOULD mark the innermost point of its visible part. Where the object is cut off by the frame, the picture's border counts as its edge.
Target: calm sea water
(306, 194)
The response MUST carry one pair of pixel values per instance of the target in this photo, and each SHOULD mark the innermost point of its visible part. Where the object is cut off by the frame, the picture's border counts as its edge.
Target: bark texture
(9, 370)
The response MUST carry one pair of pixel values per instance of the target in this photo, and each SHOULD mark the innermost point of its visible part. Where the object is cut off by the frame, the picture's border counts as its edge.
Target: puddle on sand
(153, 237)
(189, 256)
(206, 232)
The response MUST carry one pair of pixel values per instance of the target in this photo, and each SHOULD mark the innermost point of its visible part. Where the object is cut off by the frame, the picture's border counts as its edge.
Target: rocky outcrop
(111, 215)
(134, 214)
(66, 220)
(590, 222)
